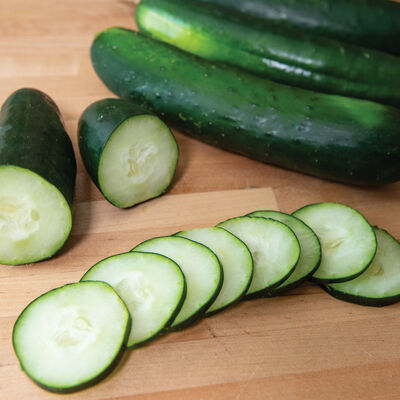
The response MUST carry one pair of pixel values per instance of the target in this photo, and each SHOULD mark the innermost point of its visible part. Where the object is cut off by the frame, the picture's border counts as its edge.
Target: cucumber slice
(274, 248)
(236, 261)
(348, 242)
(152, 287)
(130, 154)
(202, 271)
(379, 284)
(35, 218)
(71, 337)
(310, 249)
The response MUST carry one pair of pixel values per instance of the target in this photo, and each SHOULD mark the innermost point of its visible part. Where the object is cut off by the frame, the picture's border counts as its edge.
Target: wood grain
(305, 345)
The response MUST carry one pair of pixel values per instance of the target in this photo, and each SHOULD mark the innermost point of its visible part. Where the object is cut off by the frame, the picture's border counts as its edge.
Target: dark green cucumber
(286, 56)
(130, 154)
(37, 175)
(370, 23)
(329, 136)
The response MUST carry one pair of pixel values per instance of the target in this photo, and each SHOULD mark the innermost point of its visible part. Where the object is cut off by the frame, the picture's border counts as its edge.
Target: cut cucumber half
(71, 337)
(310, 249)
(152, 287)
(35, 218)
(130, 154)
(202, 270)
(236, 261)
(274, 248)
(379, 284)
(348, 242)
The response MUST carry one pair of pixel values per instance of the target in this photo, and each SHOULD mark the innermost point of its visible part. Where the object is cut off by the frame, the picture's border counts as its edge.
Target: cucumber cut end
(71, 337)
(138, 161)
(35, 218)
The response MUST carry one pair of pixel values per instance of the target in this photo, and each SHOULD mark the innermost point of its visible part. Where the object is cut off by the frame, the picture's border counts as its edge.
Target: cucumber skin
(362, 301)
(32, 136)
(98, 378)
(96, 125)
(370, 23)
(293, 58)
(333, 137)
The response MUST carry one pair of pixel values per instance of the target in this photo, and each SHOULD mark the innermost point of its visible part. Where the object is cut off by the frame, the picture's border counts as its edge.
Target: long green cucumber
(334, 137)
(37, 175)
(293, 58)
(370, 23)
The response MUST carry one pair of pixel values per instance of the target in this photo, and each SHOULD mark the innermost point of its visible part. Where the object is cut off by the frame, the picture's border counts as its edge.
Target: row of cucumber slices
(72, 336)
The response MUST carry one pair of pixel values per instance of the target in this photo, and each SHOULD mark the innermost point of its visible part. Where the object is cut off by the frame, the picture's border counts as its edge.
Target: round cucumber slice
(35, 218)
(138, 161)
(152, 287)
(310, 249)
(348, 242)
(274, 248)
(379, 284)
(71, 337)
(202, 271)
(235, 259)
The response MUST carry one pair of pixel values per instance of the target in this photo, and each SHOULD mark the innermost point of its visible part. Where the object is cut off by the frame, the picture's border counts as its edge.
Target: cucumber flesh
(379, 284)
(152, 287)
(310, 249)
(202, 271)
(274, 248)
(72, 336)
(236, 261)
(35, 218)
(138, 161)
(348, 242)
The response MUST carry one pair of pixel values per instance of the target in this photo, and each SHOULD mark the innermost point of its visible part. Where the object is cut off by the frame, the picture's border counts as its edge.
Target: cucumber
(379, 285)
(72, 337)
(235, 259)
(286, 56)
(37, 175)
(273, 246)
(333, 137)
(370, 23)
(152, 287)
(202, 271)
(131, 155)
(310, 249)
(348, 242)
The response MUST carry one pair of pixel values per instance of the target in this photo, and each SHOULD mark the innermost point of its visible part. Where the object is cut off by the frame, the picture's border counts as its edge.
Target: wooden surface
(304, 345)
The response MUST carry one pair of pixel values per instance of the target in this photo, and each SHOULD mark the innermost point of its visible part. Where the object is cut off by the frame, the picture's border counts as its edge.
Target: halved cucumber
(379, 284)
(130, 154)
(310, 249)
(274, 248)
(236, 261)
(202, 271)
(348, 242)
(152, 287)
(72, 337)
(35, 218)
(37, 178)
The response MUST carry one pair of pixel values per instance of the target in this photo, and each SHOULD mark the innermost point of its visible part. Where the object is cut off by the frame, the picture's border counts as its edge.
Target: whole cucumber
(334, 137)
(370, 23)
(286, 56)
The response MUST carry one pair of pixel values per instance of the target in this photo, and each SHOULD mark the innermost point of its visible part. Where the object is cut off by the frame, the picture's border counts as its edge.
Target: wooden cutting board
(304, 345)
